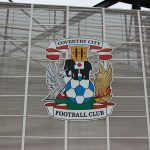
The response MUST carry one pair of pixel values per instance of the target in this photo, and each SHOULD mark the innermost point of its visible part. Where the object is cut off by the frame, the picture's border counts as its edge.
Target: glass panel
(45, 144)
(128, 127)
(122, 34)
(38, 66)
(88, 16)
(84, 30)
(126, 50)
(147, 52)
(38, 49)
(12, 86)
(36, 106)
(14, 32)
(37, 86)
(88, 144)
(129, 106)
(149, 103)
(13, 49)
(127, 68)
(10, 143)
(46, 33)
(148, 86)
(11, 126)
(123, 144)
(12, 66)
(85, 23)
(44, 126)
(147, 67)
(87, 128)
(11, 105)
(49, 16)
(146, 34)
(14, 24)
(121, 17)
(127, 87)
(145, 18)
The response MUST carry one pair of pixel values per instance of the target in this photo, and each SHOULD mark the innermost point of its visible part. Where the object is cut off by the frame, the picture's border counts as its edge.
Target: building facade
(25, 31)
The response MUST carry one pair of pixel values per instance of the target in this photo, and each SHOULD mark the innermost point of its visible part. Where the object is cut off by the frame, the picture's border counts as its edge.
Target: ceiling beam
(106, 3)
(136, 4)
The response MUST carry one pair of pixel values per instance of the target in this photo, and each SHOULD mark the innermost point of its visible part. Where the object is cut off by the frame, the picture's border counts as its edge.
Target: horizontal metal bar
(46, 116)
(49, 24)
(72, 138)
(45, 75)
(46, 95)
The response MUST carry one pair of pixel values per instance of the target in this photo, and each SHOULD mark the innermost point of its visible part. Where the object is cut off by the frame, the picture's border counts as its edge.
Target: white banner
(78, 41)
(90, 114)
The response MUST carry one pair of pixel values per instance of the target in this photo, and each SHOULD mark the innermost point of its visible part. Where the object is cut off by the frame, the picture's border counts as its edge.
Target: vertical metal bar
(107, 119)
(66, 121)
(6, 30)
(144, 76)
(78, 25)
(104, 26)
(54, 23)
(27, 81)
(66, 135)
(67, 22)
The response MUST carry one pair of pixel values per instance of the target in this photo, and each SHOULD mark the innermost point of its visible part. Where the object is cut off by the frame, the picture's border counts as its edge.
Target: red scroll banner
(60, 111)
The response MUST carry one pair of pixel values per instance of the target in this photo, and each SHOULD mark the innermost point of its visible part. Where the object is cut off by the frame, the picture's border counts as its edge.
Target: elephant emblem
(86, 71)
(70, 66)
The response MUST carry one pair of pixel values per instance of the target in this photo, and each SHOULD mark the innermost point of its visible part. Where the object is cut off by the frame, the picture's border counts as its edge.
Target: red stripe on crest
(99, 106)
(52, 57)
(51, 50)
(95, 47)
(61, 106)
(105, 57)
(62, 47)
(106, 50)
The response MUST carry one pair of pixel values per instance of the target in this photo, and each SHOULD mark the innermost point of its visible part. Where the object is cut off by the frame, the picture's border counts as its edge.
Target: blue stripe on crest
(68, 86)
(91, 87)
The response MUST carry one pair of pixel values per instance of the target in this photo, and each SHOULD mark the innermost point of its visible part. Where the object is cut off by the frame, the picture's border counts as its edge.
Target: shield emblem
(79, 76)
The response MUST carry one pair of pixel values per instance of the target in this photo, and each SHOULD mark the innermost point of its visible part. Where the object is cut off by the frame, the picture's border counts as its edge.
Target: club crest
(79, 77)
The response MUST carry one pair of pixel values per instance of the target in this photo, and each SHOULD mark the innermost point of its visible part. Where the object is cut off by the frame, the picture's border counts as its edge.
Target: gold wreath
(102, 84)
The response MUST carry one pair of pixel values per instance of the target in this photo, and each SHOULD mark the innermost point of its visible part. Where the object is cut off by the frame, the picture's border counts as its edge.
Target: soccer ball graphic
(79, 92)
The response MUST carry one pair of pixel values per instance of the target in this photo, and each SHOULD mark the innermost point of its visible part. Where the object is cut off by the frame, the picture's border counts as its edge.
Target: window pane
(37, 86)
(12, 86)
(87, 128)
(11, 126)
(139, 144)
(127, 68)
(36, 106)
(13, 49)
(49, 15)
(44, 126)
(12, 67)
(126, 50)
(119, 34)
(148, 86)
(87, 144)
(133, 106)
(38, 67)
(45, 144)
(128, 127)
(11, 105)
(10, 143)
(127, 87)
